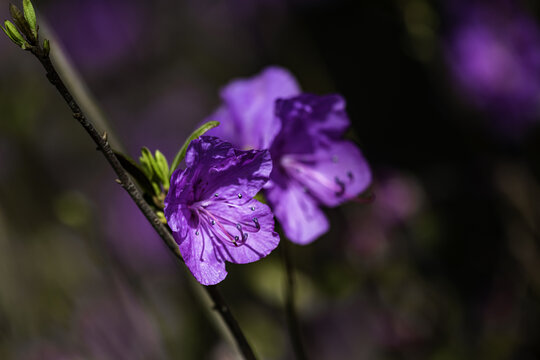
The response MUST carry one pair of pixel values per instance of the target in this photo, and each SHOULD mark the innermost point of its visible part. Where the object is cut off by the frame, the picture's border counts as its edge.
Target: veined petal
(320, 116)
(206, 151)
(200, 257)
(243, 230)
(243, 177)
(178, 218)
(222, 170)
(297, 212)
(333, 174)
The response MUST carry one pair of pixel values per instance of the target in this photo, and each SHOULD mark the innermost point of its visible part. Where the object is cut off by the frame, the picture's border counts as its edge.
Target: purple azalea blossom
(313, 165)
(211, 210)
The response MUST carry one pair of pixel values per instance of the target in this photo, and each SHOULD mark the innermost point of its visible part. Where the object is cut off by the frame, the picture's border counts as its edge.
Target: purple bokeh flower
(494, 54)
(211, 210)
(313, 165)
(98, 33)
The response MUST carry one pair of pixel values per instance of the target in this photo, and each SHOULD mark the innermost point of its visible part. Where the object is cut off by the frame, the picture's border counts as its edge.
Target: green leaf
(146, 161)
(182, 152)
(22, 23)
(163, 166)
(30, 16)
(156, 170)
(135, 171)
(12, 32)
(151, 168)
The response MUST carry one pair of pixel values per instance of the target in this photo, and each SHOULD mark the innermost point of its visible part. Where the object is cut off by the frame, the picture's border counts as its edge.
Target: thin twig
(292, 317)
(125, 181)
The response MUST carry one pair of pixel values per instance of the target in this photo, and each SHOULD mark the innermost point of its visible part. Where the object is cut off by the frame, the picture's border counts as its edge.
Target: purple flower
(211, 210)
(313, 165)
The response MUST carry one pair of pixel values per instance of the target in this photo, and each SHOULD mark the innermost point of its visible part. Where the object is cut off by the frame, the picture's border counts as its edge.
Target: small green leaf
(16, 14)
(156, 170)
(146, 161)
(163, 166)
(22, 23)
(134, 170)
(12, 32)
(182, 152)
(30, 16)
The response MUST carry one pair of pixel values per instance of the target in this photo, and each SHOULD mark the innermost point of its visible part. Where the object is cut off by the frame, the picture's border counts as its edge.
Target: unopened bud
(12, 32)
(22, 23)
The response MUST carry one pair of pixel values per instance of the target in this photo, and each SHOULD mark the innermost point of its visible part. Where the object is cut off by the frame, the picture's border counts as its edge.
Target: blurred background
(444, 97)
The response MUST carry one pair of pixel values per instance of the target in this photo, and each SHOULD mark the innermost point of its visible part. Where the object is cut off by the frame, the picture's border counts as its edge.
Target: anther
(257, 225)
(341, 187)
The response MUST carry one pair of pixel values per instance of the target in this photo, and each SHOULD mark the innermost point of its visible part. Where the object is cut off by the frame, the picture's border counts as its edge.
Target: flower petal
(225, 171)
(200, 257)
(251, 103)
(337, 173)
(249, 224)
(319, 116)
(179, 218)
(296, 210)
(206, 151)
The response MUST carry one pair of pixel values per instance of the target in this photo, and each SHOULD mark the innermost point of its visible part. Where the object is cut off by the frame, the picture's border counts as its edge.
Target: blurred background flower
(494, 54)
